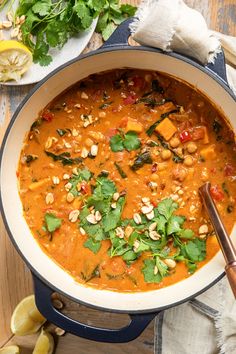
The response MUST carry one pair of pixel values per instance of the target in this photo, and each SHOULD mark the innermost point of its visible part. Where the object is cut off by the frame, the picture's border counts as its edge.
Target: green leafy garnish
(112, 14)
(93, 245)
(52, 222)
(82, 175)
(128, 141)
(49, 24)
(148, 272)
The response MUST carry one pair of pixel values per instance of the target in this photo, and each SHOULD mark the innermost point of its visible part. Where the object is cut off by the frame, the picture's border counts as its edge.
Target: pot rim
(105, 49)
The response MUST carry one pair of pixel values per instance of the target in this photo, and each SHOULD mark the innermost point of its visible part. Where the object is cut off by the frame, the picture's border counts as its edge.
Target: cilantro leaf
(166, 207)
(42, 8)
(148, 272)
(128, 9)
(108, 187)
(161, 266)
(196, 250)
(116, 143)
(94, 246)
(52, 222)
(131, 141)
(111, 220)
(186, 233)
(174, 224)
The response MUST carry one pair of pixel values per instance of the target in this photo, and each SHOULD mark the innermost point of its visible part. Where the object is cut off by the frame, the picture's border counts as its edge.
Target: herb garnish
(52, 23)
(82, 175)
(128, 141)
(52, 222)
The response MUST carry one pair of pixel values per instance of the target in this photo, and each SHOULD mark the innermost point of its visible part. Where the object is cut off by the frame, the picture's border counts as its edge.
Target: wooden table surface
(15, 278)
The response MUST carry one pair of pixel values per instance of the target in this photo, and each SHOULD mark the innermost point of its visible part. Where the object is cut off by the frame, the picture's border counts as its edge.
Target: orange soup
(109, 177)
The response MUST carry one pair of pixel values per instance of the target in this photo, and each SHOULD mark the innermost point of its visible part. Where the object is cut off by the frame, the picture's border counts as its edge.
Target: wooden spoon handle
(230, 270)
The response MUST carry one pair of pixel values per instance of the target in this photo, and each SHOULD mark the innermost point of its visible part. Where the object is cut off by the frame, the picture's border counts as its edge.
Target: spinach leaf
(65, 158)
(94, 274)
(119, 169)
(141, 160)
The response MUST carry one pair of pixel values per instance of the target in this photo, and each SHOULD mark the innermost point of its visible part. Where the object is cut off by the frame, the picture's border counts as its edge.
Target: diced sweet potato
(206, 136)
(36, 185)
(133, 125)
(167, 107)
(166, 128)
(208, 153)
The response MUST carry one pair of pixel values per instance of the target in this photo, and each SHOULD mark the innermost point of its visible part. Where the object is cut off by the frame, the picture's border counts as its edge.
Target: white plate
(70, 50)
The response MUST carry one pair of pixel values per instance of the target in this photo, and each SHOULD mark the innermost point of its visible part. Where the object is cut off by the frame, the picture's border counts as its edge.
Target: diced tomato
(112, 132)
(123, 122)
(48, 116)
(213, 170)
(198, 133)
(185, 136)
(84, 188)
(131, 99)
(154, 168)
(138, 81)
(217, 193)
(154, 203)
(229, 170)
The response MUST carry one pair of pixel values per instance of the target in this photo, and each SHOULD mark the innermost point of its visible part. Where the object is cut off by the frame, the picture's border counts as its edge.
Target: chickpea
(165, 154)
(174, 142)
(179, 174)
(188, 161)
(191, 147)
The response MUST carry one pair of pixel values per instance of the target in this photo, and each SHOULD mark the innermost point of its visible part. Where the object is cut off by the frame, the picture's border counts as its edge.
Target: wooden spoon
(223, 238)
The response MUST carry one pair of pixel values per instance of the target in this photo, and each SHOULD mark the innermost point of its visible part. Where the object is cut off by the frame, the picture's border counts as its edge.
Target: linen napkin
(206, 324)
(173, 26)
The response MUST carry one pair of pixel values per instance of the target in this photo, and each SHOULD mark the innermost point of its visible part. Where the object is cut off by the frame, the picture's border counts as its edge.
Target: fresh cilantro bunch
(112, 14)
(51, 23)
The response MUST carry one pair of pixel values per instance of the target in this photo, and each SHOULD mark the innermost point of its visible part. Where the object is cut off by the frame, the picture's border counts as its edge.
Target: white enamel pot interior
(45, 268)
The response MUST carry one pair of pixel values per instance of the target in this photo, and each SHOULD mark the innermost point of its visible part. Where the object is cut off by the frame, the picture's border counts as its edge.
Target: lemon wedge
(26, 318)
(11, 349)
(44, 344)
(15, 60)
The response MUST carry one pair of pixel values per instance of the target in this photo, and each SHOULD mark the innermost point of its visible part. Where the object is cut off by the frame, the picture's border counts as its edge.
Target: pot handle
(121, 36)
(138, 322)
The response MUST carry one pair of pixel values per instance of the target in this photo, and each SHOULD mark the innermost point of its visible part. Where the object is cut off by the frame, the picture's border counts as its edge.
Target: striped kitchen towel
(204, 325)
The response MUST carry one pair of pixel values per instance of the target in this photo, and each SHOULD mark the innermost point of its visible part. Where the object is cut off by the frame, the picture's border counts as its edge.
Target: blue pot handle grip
(138, 322)
(121, 36)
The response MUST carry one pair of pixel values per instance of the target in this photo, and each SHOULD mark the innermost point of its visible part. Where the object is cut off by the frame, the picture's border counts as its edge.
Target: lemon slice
(15, 60)
(44, 344)
(26, 318)
(11, 349)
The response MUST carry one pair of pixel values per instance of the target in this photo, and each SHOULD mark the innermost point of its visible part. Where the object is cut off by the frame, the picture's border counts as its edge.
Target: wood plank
(15, 279)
